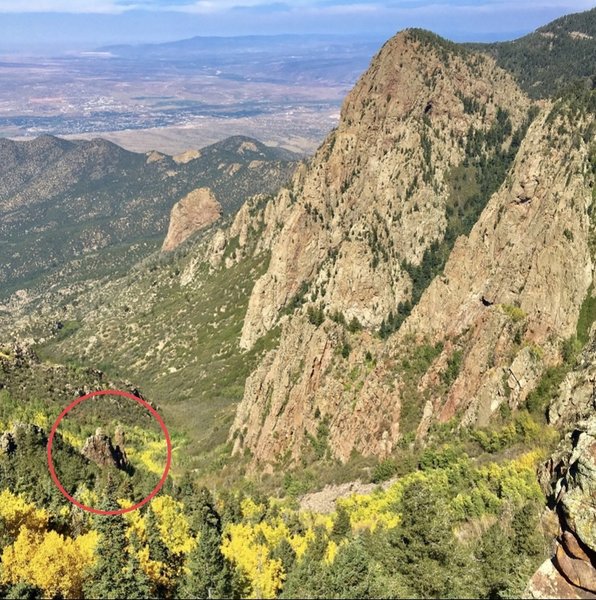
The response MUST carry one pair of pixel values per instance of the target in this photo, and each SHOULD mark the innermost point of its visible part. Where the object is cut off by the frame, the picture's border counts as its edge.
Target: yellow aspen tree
(50, 561)
(16, 513)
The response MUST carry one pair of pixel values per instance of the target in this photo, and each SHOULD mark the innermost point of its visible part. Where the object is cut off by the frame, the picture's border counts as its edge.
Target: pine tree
(169, 564)
(527, 540)
(209, 575)
(341, 525)
(116, 574)
(284, 552)
(309, 578)
(349, 576)
(423, 544)
(22, 591)
(134, 579)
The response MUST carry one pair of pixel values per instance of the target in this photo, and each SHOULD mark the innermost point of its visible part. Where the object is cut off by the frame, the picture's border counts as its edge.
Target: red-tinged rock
(579, 572)
(548, 582)
(573, 547)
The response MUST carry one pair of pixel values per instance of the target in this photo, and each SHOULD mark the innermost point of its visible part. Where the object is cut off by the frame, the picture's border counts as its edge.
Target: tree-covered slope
(551, 57)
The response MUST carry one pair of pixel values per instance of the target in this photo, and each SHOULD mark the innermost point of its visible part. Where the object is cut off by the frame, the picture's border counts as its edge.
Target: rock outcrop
(99, 449)
(22, 433)
(194, 212)
(571, 573)
(569, 478)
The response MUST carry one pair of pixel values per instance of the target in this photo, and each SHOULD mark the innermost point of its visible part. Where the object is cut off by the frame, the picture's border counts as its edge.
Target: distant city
(186, 94)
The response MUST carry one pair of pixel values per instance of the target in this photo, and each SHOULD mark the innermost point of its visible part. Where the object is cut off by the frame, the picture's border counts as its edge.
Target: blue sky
(88, 23)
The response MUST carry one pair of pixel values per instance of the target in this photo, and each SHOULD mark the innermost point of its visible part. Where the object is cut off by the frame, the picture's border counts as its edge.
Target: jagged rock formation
(194, 212)
(99, 449)
(376, 193)
(533, 236)
(374, 205)
(366, 223)
(570, 480)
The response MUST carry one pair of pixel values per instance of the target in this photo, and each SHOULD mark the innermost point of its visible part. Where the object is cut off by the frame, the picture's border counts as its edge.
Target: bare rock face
(532, 259)
(295, 407)
(194, 212)
(186, 157)
(99, 449)
(375, 194)
(549, 582)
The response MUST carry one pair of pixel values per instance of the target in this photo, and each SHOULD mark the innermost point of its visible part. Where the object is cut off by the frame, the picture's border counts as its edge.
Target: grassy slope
(178, 344)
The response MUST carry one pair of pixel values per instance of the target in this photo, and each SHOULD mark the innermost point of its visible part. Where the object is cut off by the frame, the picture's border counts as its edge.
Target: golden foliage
(16, 513)
(264, 575)
(173, 524)
(50, 561)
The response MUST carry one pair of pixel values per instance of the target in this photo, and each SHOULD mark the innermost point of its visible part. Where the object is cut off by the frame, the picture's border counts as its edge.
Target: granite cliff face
(375, 196)
(513, 290)
(433, 143)
(194, 212)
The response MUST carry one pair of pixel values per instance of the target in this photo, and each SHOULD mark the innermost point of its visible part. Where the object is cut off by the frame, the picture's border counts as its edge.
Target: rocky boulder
(571, 573)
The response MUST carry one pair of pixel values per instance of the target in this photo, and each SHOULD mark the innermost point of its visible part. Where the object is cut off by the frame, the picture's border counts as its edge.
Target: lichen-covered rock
(571, 573)
(579, 496)
(7, 443)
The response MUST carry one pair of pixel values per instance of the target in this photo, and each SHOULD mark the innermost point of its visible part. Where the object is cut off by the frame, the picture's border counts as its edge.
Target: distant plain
(285, 91)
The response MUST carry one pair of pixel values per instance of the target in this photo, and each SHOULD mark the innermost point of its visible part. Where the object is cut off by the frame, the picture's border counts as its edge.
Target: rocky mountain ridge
(552, 57)
(427, 278)
(484, 329)
(374, 197)
(389, 323)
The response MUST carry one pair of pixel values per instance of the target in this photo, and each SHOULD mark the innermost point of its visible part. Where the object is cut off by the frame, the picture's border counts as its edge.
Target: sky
(86, 24)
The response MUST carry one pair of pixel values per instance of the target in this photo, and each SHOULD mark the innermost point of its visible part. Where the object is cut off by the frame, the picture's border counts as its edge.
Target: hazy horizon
(46, 26)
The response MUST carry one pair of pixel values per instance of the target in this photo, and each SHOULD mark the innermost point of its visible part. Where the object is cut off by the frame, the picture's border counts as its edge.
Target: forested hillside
(83, 209)
(552, 57)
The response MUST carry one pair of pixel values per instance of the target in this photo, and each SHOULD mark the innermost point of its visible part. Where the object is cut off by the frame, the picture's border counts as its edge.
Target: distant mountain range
(283, 58)
(62, 200)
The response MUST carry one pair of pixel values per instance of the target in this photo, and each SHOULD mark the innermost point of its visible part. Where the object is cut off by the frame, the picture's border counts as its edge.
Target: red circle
(163, 428)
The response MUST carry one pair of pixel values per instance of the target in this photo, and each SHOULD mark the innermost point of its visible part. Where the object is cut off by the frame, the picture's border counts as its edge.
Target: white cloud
(62, 6)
